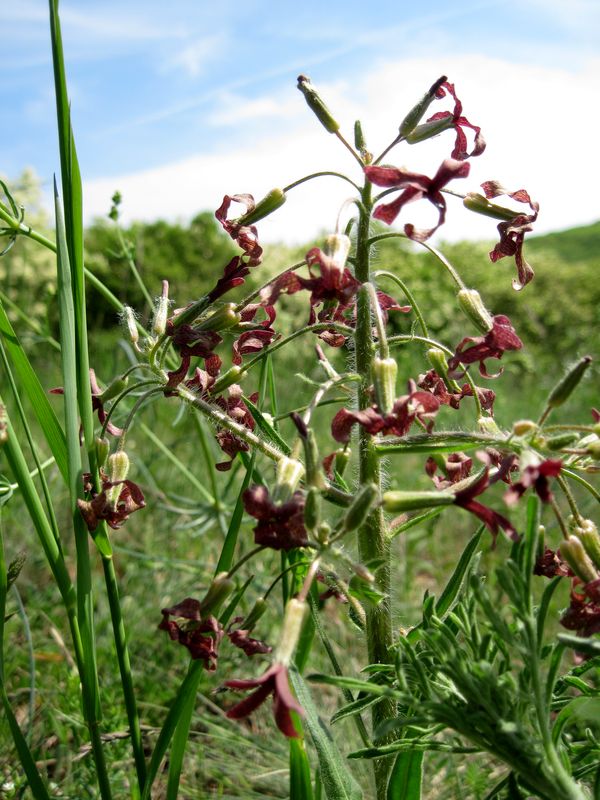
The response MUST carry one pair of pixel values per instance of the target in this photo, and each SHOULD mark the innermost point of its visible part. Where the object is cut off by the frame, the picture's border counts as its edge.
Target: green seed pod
(437, 359)
(226, 380)
(288, 474)
(587, 532)
(481, 205)
(561, 440)
(312, 509)
(269, 203)
(383, 374)
(256, 612)
(565, 387)
(129, 317)
(412, 501)
(360, 507)
(102, 450)
(593, 448)
(472, 306)
(161, 310)
(429, 129)
(114, 388)
(217, 593)
(316, 105)
(573, 552)
(415, 115)
(117, 468)
(225, 317)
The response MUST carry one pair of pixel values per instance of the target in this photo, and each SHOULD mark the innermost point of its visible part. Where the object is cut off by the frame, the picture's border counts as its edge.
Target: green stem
(409, 296)
(373, 538)
(319, 175)
(121, 648)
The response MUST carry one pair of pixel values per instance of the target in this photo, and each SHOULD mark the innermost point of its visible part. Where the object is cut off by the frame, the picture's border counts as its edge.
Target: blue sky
(178, 103)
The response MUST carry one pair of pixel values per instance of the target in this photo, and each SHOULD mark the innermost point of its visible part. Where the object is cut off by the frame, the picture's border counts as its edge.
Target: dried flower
(280, 525)
(246, 236)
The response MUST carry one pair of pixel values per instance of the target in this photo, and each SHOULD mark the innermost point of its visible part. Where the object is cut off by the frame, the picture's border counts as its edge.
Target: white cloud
(193, 57)
(538, 123)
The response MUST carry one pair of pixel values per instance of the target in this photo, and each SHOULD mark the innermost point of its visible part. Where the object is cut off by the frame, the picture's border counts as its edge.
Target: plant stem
(373, 539)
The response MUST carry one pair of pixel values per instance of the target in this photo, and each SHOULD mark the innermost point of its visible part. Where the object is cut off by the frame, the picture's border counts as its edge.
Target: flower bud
(291, 629)
(565, 387)
(415, 115)
(587, 533)
(129, 317)
(217, 593)
(429, 129)
(383, 374)
(324, 532)
(288, 474)
(102, 446)
(225, 317)
(524, 426)
(561, 440)
(481, 205)
(226, 380)
(337, 247)
(593, 448)
(412, 501)
(113, 389)
(256, 612)
(359, 142)
(161, 310)
(270, 203)
(437, 359)
(360, 507)
(490, 426)
(117, 468)
(472, 305)
(316, 105)
(573, 552)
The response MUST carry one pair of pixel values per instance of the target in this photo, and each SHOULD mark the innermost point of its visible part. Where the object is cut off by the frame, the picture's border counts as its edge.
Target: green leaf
(354, 684)
(300, 777)
(591, 647)
(406, 777)
(450, 594)
(337, 779)
(266, 427)
(34, 390)
(580, 709)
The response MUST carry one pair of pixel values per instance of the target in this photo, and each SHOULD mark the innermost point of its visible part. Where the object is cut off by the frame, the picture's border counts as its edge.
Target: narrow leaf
(406, 776)
(300, 777)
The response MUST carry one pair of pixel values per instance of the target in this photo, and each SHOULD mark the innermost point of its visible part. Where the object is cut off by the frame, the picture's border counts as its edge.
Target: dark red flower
(512, 232)
(456, 468)
(534, 477)
(583, 613)
(550, 564)
(191, 342)
(241, 638)
(103, 505)
(256, 338)
(246, 236)
(434, 383)
(200, 635)
(280, 525)
(234, 407)
(458, 123)
(465, 498)
(275, 681)
(421, 406)
(415, 187)
(496, 341)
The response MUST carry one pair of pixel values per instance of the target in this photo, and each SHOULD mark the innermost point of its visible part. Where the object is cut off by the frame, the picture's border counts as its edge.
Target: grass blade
(300, 777)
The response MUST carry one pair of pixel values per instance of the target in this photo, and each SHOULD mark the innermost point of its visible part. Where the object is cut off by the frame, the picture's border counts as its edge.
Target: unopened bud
(472, 305)
(587, 532)
(117, 468)
(113, 389)
(129, 317)
(481, 205)
(573, 552)
(217, 593)
(226, 380)
(429, 129)
(412, 501)
(337, 247)
(360, 507)
(562, 440)
(415, 115)
(288, 474)
(316, 105)
(359, 142)
(383, 374)
(269, 203)
(342, 457)
(225, 317)
(15, 567)
(102, 446)
(593, 448)
(565, 387)
(524, 426)
(324, 532)
(490, 426)
(256, 612)
(291, 629)
(161, 310)
(437, 359)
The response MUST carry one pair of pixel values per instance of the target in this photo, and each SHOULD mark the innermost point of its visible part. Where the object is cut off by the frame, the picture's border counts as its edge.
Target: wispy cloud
(194, 56)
